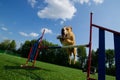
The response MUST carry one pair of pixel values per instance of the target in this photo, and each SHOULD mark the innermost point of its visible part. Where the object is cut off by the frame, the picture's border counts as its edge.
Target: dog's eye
(67, 29)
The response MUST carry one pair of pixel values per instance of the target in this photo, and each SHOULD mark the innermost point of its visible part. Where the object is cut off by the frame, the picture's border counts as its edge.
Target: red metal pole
(90, 49)
(38, 49)
(35, 57)
(29, 55)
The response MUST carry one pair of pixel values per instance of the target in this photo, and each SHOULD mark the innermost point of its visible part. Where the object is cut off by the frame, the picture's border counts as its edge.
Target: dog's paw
(59, 37)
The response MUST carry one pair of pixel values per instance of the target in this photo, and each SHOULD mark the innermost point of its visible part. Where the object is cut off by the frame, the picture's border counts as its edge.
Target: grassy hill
(10, 70)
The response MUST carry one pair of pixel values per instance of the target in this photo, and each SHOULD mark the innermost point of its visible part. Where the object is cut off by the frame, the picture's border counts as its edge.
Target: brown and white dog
(67, 38)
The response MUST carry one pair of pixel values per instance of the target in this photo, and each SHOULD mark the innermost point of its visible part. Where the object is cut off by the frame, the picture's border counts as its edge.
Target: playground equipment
(33, 53)
(101, 55)
(35, 49)
(101, 52)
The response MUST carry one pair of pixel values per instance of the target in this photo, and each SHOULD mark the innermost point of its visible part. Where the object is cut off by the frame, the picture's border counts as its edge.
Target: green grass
(10, 70)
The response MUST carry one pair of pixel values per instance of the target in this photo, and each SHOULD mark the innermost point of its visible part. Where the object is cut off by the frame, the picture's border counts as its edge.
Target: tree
(48, 55)
(110, 70)
(61, 57)
(5, 45)
(94, 59)
(12, 45)
(25, 48)
(55, 56)
(82, 55)
(109, 57)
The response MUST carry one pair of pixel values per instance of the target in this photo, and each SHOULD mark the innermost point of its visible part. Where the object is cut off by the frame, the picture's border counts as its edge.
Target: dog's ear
(70, 28)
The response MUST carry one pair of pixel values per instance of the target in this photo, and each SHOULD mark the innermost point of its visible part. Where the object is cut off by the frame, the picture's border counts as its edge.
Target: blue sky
(22, 20)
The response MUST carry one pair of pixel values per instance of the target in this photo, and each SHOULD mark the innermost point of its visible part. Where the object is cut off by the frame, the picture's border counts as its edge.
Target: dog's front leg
(70, 41)
(74, 53)
(60, 38)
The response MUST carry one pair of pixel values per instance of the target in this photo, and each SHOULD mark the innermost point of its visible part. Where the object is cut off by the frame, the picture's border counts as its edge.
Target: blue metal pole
(34, 49)
(101, 55)
(117, 55)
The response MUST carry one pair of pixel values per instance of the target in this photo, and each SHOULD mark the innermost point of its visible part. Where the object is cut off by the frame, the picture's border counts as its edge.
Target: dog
(67, 38)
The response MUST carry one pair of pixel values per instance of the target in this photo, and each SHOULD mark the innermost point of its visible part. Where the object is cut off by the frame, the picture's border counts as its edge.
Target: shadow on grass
(33, 75)
(25, 68)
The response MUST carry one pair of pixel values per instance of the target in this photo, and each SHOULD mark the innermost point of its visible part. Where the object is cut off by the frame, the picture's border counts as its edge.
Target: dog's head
(65, 31)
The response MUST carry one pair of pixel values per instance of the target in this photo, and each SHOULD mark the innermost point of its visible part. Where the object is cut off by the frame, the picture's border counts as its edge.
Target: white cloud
(4, 28)
(32, 34)
(80, 1)
(98, 1)
(84, 1)
(62, 22)
(23, 34)
(46, 30)
(87, 1)
(32, 3)
(10, 32)
(58, 9)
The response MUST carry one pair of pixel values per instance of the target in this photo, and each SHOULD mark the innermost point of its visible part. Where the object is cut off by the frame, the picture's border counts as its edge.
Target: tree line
(59, 56)
(8, 45)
